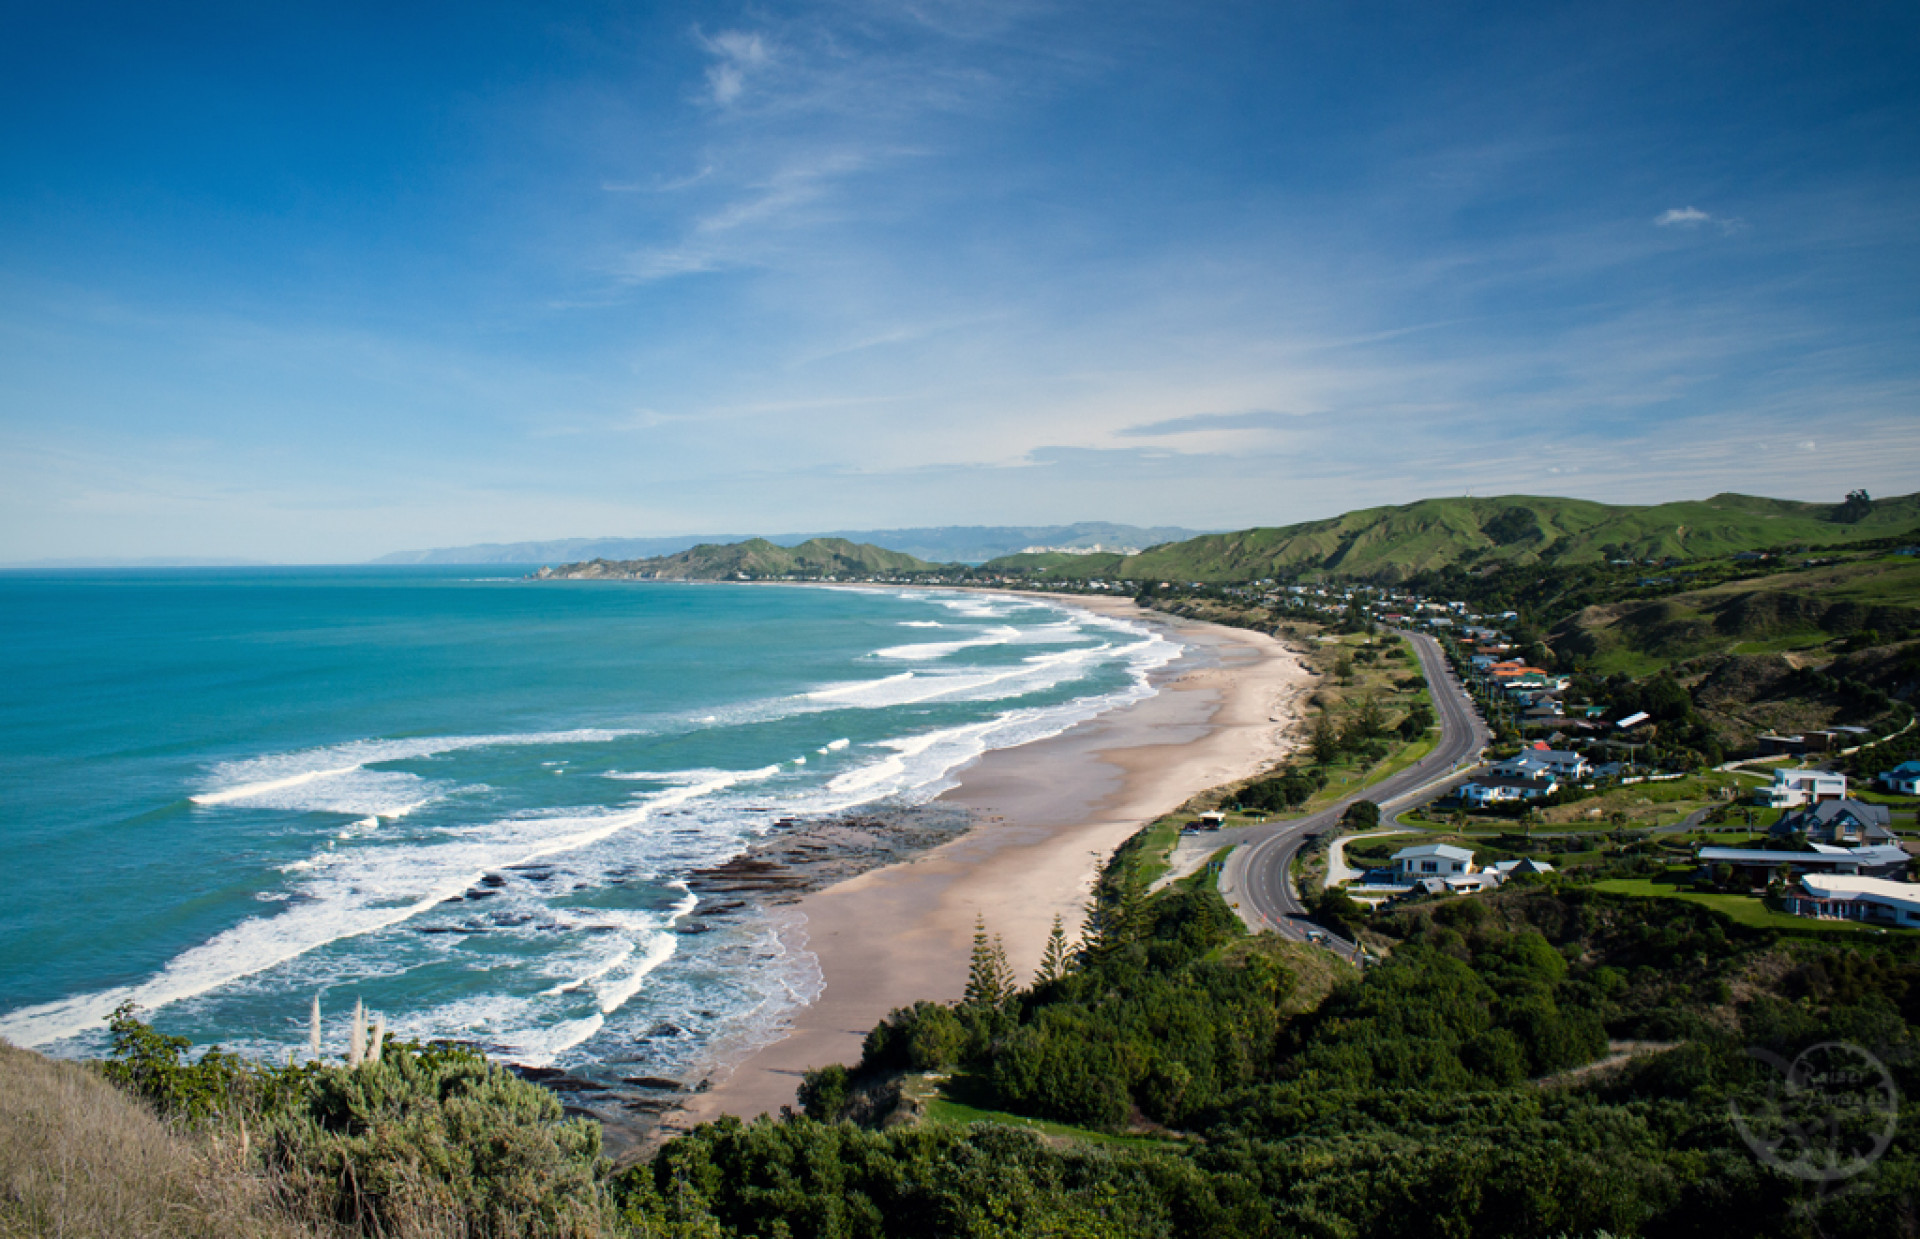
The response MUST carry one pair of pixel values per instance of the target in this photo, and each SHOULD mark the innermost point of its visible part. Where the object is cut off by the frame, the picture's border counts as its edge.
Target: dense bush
(427, 1140)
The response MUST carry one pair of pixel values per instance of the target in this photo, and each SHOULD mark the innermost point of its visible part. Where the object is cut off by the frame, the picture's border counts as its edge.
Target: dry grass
(80, 1159)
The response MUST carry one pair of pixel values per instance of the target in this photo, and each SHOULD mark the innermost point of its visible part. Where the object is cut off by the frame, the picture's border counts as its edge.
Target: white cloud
(1685, 217)
(1693, 217)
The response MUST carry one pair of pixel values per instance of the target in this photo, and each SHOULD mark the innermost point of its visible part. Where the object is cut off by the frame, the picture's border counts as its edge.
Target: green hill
(1394, 543)
(1058, 564)
(754, 559)
(1764, 615)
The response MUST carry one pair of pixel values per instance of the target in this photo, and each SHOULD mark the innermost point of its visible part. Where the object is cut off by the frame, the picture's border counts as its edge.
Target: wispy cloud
(737, 55)
(1256, 419)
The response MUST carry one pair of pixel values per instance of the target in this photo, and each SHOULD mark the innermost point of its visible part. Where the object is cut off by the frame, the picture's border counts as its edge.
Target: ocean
(470, 801)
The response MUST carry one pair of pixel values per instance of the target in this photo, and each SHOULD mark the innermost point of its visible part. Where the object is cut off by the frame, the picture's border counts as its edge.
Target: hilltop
(1393, 544)
(754, 559)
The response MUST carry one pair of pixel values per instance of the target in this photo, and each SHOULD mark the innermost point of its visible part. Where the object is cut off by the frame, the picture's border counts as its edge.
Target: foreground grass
(80, 1158)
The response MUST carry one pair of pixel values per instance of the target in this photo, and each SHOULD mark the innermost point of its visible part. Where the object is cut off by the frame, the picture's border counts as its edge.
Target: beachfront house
(1876, 901)
(1838, 822)
(1792, 788)
(1903, 779)
(1431, 860)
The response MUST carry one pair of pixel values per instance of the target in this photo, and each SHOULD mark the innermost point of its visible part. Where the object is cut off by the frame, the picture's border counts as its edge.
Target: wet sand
(1046, 815)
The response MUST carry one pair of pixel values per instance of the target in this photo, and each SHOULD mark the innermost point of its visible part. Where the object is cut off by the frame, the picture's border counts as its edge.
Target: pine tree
(1054, 961)
(1004, 985)
(984, 988)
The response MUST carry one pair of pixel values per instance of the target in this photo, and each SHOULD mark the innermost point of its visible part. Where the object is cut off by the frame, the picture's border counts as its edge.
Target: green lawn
(943, 1109)
(1744, 909)
(1155, 855)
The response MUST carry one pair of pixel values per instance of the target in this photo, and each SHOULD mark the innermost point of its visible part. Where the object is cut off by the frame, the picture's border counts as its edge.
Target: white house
(1854, 898)
(1793, 788)
(1492, 789)
(1530, 763)
(1431, 860)
(1903, 778)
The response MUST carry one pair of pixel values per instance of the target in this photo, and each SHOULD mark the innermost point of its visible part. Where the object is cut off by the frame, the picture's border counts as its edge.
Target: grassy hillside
(1059, 564)
(755, 558)
(1764, 615)
(1394, 543)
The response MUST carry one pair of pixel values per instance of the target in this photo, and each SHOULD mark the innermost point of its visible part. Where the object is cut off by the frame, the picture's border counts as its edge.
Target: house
(1838, 822)
(1515, 868)
(1533, 762)
(1428, 860)
(1492, 789)
(1634, 720)
(1877, 901)
(1759, 867)
(1903, 778)
(1793, 788)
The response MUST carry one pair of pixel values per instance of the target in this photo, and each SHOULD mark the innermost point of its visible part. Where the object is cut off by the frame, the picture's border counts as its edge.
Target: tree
(1055, 960)
(824, 1092)
(1343, 668)
(1361, 815)
(989, 979)
(1855, 509)
(1365, 724)
(1324, 743)
(1339, 911)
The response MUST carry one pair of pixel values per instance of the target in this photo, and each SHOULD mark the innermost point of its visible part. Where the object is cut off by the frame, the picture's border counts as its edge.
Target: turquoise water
(470, 802)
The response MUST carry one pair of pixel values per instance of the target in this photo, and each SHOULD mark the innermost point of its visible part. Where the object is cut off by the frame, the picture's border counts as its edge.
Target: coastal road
(1257, 879)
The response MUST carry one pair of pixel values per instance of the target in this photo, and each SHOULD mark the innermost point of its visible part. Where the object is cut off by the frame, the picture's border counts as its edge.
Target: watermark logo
(1826, 1116)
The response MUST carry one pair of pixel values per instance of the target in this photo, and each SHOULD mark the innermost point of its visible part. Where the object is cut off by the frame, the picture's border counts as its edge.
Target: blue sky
(317, 282)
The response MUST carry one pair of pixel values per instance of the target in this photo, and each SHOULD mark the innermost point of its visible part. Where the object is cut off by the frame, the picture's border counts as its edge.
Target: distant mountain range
(963, 544)
(1394, 543)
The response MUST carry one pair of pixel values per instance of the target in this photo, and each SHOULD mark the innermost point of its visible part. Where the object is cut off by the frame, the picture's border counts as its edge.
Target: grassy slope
(1767, 614)
(1395, 542)
(78, 1157)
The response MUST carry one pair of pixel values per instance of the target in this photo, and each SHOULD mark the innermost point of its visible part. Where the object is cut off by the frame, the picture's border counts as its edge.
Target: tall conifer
(1054, 961)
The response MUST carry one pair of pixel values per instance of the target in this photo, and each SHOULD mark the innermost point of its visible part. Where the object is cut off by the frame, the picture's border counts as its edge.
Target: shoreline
(1046, 815)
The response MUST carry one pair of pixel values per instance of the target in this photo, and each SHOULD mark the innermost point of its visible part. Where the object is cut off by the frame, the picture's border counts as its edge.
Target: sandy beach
(1047, 815)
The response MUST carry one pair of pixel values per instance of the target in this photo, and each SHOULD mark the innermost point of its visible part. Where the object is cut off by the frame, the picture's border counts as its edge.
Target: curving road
(1257, 880)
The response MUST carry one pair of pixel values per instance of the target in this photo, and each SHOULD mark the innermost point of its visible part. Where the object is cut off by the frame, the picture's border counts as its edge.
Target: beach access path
(1048, 814)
